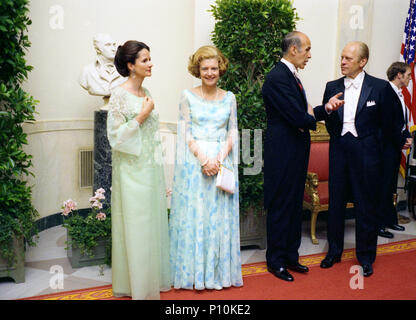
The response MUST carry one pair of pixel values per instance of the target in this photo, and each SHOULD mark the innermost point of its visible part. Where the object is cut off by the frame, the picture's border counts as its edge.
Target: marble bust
(101, 76)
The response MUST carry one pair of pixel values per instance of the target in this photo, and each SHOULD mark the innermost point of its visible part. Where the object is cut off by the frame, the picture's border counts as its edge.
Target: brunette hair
(126, 53)
(395, 69)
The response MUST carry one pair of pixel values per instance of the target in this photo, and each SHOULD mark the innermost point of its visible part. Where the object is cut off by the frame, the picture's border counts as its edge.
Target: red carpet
(394, 278)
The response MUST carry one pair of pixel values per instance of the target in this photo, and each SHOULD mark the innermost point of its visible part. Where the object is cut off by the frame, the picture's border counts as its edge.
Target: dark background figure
(399, 75)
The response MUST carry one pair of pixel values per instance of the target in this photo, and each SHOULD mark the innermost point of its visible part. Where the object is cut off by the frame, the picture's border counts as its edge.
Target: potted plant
(249, 33)
(17, 214)
(88, 237)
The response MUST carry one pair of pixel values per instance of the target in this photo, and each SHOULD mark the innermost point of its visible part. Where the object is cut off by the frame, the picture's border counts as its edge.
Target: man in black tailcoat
(286, 154)
(399, 75)
(355, 154)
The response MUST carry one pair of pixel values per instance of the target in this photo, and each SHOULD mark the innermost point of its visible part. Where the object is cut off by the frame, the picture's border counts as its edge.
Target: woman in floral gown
(140, 244)
(204, 220)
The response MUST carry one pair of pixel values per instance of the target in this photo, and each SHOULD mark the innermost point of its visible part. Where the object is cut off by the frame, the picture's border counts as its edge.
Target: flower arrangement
(85, 232)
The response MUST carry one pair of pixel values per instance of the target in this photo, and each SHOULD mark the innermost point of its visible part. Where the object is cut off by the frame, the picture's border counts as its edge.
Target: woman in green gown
(140, 243)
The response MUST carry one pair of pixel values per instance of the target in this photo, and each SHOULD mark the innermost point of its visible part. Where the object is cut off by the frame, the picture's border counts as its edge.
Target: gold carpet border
(349, 254)
(247, 270)
(98, 294)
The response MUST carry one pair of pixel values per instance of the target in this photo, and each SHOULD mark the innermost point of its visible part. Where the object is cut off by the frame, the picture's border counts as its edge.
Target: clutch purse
(225, 179)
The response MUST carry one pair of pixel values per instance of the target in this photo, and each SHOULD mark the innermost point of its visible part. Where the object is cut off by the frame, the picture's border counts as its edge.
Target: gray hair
(291, 39)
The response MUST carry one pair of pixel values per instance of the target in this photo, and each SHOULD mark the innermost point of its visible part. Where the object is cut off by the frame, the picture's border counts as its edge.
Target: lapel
(341, 88)
(295, 83)
(399, 105)
(365, 92)
(302, 91)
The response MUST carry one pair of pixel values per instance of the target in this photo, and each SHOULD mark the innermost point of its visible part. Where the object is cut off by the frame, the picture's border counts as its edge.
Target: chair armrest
(311, 187)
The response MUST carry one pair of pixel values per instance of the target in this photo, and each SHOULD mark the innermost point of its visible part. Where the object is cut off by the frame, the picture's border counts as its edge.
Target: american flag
(407, 55)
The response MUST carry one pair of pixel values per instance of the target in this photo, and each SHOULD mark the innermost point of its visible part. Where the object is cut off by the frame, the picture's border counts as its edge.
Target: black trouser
(354, 167)
(391, 167)
(284, 216)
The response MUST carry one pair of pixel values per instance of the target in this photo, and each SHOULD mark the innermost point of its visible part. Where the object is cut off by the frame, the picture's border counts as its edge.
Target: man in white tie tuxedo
(399, 75)
(355, 152)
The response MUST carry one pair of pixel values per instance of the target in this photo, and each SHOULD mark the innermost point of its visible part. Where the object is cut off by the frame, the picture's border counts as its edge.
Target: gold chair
(316, 195)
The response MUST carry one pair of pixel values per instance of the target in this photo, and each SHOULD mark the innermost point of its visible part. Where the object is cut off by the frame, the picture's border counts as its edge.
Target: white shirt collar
(291, 66)
(396, 89)
(356, 82)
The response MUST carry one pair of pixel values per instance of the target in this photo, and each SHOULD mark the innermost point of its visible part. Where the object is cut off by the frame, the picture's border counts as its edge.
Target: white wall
(319, 22)
(388, 27)
(59, 55)
(173, 29)
(204, 23)
(61, 36)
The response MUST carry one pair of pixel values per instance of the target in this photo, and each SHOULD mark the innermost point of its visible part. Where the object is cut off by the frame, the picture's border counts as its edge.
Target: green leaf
(17, 213)
(249, 33)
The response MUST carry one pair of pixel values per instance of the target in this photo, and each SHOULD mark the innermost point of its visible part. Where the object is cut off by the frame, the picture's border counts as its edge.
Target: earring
(133, 73)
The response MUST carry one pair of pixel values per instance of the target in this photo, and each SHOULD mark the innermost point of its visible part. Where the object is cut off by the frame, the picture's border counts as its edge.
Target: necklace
(216, 94)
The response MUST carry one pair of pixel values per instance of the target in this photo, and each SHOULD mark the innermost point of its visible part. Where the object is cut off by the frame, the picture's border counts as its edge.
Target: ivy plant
(249, 33)
(17, 214)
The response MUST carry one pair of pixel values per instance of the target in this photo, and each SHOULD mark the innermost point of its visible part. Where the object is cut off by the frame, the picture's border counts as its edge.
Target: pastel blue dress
(204, 220)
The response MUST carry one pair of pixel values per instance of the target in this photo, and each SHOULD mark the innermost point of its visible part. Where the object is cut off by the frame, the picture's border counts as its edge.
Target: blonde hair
(206, 52)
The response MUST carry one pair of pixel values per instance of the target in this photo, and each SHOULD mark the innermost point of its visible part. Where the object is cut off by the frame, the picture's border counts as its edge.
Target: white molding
(47, 126)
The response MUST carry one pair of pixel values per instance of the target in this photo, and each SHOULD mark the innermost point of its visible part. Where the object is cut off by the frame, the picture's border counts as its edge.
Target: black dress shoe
(281, 273)
(396, 227)
(329, 261)
(367, 270)
(385, 234)
(297, 267)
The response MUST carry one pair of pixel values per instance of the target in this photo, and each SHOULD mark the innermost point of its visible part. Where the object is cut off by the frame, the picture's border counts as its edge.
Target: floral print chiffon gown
(204, 220)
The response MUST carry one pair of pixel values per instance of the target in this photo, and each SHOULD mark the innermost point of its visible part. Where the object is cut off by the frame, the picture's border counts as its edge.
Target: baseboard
(56, 219)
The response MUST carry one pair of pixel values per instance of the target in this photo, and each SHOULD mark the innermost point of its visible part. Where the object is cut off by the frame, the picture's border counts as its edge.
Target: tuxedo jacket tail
(286, 153)
(355, 164)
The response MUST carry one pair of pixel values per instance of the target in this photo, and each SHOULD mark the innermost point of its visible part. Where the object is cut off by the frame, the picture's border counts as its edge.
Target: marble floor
(50, 253)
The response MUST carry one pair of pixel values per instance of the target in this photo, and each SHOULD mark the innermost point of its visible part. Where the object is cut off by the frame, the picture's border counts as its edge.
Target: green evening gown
(140, 240)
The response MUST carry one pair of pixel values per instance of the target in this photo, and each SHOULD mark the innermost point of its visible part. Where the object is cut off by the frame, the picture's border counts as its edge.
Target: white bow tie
(349, 82)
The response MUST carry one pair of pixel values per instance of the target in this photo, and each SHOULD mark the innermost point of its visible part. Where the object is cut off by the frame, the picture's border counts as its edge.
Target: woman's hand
(148, 106)
(211, 168)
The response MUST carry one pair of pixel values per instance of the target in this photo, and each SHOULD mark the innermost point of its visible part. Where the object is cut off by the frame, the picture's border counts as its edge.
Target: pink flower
(99, 196)
(168, 192)
(68, 206)
(66, 212)
(101, 216)
(97, 204)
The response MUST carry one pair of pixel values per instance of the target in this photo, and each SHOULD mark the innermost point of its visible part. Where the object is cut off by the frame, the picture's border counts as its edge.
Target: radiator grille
(86, 168)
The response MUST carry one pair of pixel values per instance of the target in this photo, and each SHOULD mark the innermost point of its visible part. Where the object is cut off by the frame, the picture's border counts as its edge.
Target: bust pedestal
(102, 155)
